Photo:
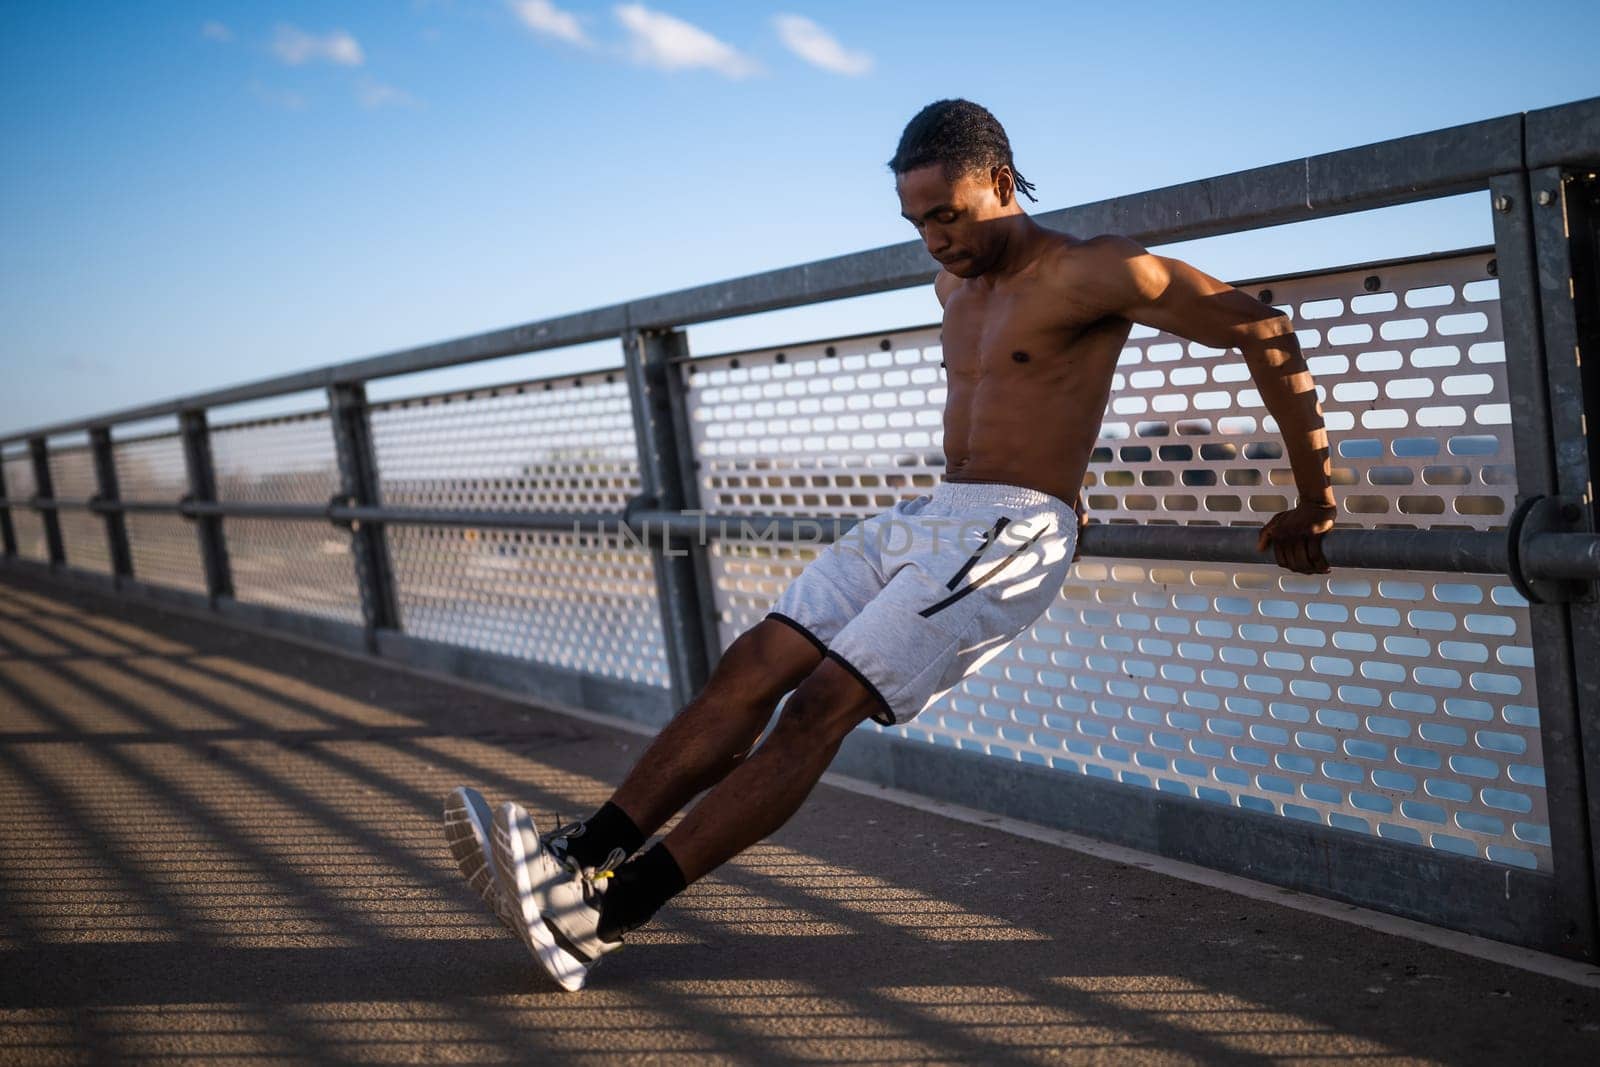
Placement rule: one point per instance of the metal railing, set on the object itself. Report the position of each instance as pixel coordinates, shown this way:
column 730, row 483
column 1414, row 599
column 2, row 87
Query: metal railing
column 343, row 523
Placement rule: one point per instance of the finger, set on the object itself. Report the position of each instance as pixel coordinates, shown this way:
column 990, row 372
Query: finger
column 1265, row 537
column 1317, row 558
column 1301, row 553
column 1278, row 549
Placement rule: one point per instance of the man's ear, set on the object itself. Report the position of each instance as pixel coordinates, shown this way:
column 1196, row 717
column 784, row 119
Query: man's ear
column 1005, row 186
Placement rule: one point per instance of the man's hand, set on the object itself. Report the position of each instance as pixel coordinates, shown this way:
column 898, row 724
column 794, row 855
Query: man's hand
column 1296, row 537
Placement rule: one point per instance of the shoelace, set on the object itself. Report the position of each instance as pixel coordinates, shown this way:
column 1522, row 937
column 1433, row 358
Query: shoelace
column 589, row 878
column 559, row 839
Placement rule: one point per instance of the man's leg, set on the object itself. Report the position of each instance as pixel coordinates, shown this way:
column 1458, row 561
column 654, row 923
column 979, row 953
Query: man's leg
column 766, row 789
column 716, row 730
column 707, row 739
column 750, row 803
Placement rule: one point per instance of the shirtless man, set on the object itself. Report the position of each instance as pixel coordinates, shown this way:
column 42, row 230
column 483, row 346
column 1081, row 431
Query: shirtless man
column 1034, row 321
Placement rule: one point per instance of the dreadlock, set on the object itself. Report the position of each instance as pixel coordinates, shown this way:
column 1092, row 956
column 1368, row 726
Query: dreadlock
column 960, row 136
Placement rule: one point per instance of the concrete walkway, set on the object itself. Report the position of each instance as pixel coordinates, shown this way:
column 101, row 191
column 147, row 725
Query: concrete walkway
column 220, row 846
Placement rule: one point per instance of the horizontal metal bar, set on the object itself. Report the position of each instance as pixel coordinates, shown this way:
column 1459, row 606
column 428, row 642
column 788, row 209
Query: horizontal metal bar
column 1465, row 551
column 1399, row 171
column 1552, row 555
column 1562, row 555
column 148, row 506
column 249, row 510
column 481, row 520
column 1568, row 134
column 759, row 527
column 1389, row 173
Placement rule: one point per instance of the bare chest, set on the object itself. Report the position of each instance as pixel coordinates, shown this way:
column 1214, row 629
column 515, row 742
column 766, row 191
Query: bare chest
column 1007, row 334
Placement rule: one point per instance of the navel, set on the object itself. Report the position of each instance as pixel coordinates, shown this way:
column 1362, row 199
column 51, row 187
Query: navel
column 1020, row 357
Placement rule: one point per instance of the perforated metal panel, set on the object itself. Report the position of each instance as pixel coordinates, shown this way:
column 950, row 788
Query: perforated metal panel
column 165, row 548
column 557, row 445
column 1400, row 705
column 283, row 460
column 301, row 566
column 1412, row 382
column 584, row 601
column 298, row 566
column 842, row 428
column 83, row 533
column 26, row 523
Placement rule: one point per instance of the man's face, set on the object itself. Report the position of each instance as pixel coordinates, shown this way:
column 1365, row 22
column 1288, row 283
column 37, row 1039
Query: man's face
column 951, row 216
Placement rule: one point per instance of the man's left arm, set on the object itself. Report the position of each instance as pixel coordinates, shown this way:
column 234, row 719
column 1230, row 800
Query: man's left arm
column 1170, row 295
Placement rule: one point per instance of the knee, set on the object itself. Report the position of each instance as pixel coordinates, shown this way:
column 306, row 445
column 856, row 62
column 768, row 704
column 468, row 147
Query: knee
column 820, row 713
column 746, row 676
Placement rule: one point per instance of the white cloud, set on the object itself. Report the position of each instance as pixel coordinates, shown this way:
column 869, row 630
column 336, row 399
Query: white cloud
column 296, row 47
column 216, row 31
column 818, row 47
column 660, row 40
column 375, row 94
column 541, row 16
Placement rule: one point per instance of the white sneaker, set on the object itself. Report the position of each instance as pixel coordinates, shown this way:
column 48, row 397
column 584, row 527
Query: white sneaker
column 570, row 904
column 523, row 865
column 466, row 830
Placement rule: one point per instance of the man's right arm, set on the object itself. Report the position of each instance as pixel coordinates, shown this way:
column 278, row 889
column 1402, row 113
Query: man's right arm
column 1119, row 277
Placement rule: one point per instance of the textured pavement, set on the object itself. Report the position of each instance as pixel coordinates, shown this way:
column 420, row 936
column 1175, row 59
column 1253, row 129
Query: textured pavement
column 221, row 847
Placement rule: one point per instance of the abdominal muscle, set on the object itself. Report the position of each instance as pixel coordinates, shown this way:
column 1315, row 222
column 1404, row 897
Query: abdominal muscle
column 1035, row 424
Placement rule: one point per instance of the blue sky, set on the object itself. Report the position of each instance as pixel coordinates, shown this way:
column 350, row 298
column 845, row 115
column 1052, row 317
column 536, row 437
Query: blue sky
column 197, row 194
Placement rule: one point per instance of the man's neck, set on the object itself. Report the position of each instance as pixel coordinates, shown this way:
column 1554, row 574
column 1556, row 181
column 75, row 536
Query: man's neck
column 1020, row 248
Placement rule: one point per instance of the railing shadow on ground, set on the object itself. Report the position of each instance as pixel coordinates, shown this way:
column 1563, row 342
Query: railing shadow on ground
column 222, row 845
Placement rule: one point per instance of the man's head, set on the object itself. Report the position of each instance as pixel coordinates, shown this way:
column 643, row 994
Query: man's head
column 954, row 173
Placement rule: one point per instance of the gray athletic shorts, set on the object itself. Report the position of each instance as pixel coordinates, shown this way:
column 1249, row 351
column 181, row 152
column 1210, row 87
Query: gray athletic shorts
column 916, row 598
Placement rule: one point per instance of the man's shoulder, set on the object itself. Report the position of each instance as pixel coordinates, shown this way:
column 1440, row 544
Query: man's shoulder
column 1095, row 269
column 1094, row 255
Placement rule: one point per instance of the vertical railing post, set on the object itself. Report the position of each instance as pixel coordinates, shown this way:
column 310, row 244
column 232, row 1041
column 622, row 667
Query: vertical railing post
column 203, row 490
column 8, row 534
column 358, row 478
column 44, row 488
column 1550, row 623
column 1566, row 232
column 682, row 565
column 105, row 473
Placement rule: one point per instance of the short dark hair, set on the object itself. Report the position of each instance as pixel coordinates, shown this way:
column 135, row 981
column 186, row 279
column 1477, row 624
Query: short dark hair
column 960, row 136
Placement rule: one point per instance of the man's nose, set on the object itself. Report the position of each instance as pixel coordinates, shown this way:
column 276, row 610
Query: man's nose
column 935, row 239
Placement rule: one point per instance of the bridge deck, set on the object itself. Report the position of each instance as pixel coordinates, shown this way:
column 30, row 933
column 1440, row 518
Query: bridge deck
column 223, row 846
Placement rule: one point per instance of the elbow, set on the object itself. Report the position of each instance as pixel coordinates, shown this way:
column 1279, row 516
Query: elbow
column 1271, row 340
column 1272, row 326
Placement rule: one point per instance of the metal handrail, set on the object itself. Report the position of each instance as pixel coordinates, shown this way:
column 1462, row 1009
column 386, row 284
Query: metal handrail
column 1545, row 555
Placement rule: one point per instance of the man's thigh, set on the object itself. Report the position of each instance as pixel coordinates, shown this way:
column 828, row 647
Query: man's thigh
column 840, row 582
column 947, row 612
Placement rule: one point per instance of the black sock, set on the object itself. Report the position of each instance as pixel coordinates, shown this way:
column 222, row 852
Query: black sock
column 637, row 891
column 605, row 830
